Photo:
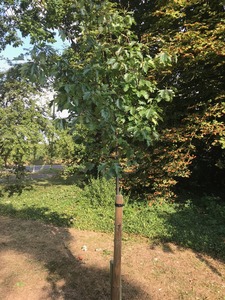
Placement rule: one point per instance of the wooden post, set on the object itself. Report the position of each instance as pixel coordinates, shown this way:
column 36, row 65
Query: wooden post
column 111, row 276
column 116, row 276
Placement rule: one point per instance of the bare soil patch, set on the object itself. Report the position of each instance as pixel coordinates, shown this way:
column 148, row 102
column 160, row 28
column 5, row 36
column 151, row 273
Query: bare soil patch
column 40, row 262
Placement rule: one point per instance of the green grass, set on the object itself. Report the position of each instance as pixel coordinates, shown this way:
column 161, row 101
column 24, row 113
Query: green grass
column 201, row 228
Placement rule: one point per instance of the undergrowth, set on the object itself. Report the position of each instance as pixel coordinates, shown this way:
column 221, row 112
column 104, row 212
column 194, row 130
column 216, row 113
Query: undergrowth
column 199, row 227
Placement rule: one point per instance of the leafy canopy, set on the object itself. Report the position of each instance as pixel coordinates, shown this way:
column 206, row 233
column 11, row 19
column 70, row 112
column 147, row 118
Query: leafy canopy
column 104, row 78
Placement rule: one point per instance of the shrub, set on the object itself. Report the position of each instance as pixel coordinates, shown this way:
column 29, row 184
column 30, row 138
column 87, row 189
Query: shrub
column 100, row 192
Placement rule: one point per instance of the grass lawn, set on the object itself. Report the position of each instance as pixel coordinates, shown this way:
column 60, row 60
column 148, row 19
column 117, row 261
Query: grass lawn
column 201, row 228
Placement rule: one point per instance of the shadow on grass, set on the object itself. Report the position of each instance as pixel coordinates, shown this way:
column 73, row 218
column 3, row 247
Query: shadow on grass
column 67, row 276
column 14, row 186
column 201, row 230
column 37, row 213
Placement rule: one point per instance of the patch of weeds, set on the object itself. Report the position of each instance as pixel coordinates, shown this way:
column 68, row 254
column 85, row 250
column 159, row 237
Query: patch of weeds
column 20, row 284
column 106, row 252
column 140, row 218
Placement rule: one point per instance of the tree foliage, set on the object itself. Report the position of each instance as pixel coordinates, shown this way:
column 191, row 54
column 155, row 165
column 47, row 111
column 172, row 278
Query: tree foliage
column 22, row 121
column 109, row 86
column 192, row 135
column 115, row 73
column 106, row 78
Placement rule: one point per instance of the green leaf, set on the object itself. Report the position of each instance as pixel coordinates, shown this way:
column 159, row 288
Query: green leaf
column 145, row 66
column 164, row 58
column 118, row 103
column 67, row 88
column 117, row 169
column 105, row 114
column 86, row 95
column 128, row 77
column 86, row 70
column 126, row 87
column 115, row 66
column 149, row 113
column 166, row 94
column 111, row 61
column 144, row 94
column 102, row 167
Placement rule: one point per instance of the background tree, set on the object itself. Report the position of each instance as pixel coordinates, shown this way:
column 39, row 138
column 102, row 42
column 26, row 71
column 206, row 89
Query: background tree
column 192, row 134
column 23, row 121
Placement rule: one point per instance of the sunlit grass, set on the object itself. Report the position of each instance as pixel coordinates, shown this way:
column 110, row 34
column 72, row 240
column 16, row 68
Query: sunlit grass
column 92, row 208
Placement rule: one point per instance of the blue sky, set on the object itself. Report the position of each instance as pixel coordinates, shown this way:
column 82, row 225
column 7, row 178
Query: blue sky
column 12, row 52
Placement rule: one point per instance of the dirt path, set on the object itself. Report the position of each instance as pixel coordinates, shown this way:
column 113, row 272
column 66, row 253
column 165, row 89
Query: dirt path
column 41, row 262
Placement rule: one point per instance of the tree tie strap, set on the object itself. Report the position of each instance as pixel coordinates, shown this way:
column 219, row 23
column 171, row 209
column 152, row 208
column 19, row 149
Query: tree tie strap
column 119, row 205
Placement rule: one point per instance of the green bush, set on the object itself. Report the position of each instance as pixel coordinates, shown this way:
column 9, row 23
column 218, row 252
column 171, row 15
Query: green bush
column 100, row 192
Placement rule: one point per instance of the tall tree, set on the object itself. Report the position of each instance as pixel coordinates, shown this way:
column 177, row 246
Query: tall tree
column 192, row 134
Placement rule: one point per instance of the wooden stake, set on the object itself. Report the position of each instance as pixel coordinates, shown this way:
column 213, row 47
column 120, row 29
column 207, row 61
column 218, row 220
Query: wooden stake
column 116, row 278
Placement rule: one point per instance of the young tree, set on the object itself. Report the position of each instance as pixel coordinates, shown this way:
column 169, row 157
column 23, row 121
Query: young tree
column 103, row 78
